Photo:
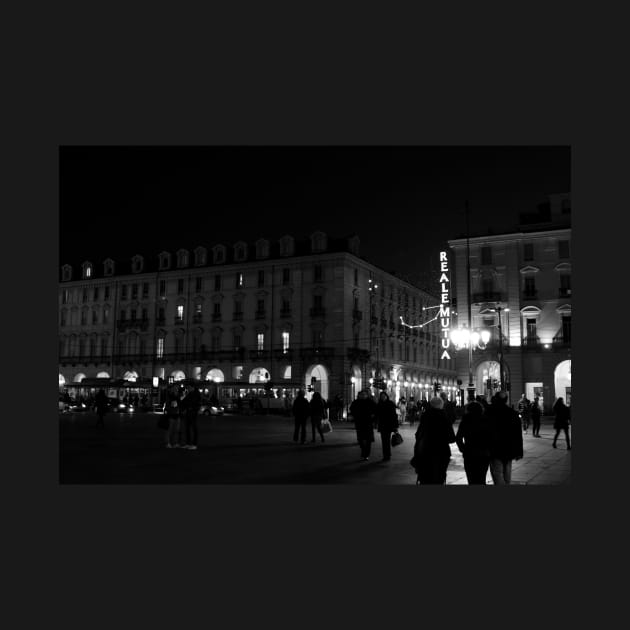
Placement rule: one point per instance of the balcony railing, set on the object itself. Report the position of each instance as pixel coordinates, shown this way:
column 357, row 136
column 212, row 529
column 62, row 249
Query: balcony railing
column 487, row 296
column 531, row 343
column 318, row 311
column 178, row 321
column 259, row 355
column 562, row 340
column 127, row 324
column 530, row 295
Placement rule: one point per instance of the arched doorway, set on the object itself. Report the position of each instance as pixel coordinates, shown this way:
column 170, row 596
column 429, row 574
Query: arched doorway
column 259, row 375
column 131, row 376
column 102, row 375
column 62, row 380
column 215, row 375
column 177, row 375
column 488, row 378
column 320, row 384
column 79, row 377
column 562, row 381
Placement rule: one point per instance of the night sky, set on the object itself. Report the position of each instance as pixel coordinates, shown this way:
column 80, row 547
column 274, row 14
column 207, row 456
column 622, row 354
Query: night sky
column 404, row 202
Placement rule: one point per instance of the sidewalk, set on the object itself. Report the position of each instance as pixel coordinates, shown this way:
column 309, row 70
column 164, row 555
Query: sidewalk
column 260, row 450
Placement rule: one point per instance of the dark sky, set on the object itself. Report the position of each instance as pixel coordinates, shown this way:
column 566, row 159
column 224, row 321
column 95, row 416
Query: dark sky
column 404, row 202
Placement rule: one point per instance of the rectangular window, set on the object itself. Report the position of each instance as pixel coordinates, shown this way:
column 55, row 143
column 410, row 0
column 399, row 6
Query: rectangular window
column 134, row 291
column 356, row 277
column 145, row 289
column 261, row 278
column 95, row 294
column 317, row 301
column 286, row 306
column 285, row 342
column 217, row 308
column 260, row 340
column 145, row 315
column 531, row 328
column 217, row 283
column 105, row 316
column 107, row 293
column 64, row 296
column 261, row 306
column 180, row 312
column 85, row 295
column 162, row 288
column 94, row 317
column 486, row 255
column 237, row 341
column 528, row 251
column 161, row 315
column 199, row 285
column 215, row 343
column 566, row 328
column 286, row 275
column 198, row 310
column 123, row 292
column 160, row 348
column 63, row 318
column 103, row 346
column 239, row 280
column 317, row 273
column 563, row 249
column 123, row 315
column 487, row 286
column 180, row 287
column 133, row 314
column 238, row 306
column 530, row 286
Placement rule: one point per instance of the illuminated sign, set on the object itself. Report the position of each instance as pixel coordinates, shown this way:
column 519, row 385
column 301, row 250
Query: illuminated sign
column 445, row 309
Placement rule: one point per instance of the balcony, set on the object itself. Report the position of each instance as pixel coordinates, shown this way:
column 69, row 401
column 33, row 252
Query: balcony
column 531, row 343
column 564, row 293
column 128, row 324
column 357, row 315
column 562, row 341
column 178, row 321
column 317, row 311
column 285, row 312
column 487, row 296
column 261, row 314
column 528, row 296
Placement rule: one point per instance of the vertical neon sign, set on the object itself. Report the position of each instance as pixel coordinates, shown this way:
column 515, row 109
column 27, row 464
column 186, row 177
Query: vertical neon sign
column 445, row 309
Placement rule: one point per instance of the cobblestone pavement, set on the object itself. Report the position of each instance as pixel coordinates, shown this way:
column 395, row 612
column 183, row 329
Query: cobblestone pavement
column 260, row 450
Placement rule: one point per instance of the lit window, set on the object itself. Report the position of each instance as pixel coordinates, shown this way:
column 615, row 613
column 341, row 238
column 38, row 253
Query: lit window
column 180, row 311
column 160, row 348
column 285, row 342
column 261, row 341
column 239, row 280
column 88, row 272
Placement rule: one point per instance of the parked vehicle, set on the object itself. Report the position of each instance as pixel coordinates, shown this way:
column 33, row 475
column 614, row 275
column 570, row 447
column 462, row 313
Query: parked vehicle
column 211, row 410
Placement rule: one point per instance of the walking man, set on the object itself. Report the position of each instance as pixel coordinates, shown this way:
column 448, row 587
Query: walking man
column 506, row 440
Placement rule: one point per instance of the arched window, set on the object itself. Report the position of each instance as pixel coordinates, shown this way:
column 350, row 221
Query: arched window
column 137, row 263
column 164, row 260
column 87, row 270
column 108, row 267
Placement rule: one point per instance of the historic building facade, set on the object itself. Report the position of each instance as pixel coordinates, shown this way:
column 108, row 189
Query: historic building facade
column 310, row 313
column 520, row 285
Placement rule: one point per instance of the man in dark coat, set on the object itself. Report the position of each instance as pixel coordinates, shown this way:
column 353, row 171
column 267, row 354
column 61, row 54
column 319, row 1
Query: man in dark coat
column 387, row 422
column 432, row 451
column 190, row 407
column 561, row 423
column 102, row 403
column 506, row 439
column 473, row 440
column 301, row 413
column 363, row 411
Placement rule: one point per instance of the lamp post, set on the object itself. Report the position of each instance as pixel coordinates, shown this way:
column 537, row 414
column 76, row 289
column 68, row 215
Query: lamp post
column 471, row 385
column 372, row 287
column 498, row 308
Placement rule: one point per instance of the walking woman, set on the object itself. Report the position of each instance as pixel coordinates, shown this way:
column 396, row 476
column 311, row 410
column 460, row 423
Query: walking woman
column 473, row 440
column 536, row 413
column 563, row 415
column 387, row 422
column 363, row 411
column 318, row 412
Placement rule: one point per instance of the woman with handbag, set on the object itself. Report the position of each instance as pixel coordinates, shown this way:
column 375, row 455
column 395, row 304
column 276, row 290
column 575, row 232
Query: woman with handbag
column 387, row 422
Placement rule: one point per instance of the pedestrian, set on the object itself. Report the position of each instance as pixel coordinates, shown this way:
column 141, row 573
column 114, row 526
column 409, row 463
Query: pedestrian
column 190, row 410
column 402, row 408
column 561, row 423
column 524, row 411
column 363, row 410
column 318, row 413
column 449, row 408
column 387, row 423
column 412, row 411
column 172, row 412
column 101, row 403
column 473, row 440
column 506, row 439
column 535, row 413
column 431, row 450
column 301, row 412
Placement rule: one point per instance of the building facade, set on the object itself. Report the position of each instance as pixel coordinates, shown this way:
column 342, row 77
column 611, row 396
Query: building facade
column 311, row 313
column 520, row 286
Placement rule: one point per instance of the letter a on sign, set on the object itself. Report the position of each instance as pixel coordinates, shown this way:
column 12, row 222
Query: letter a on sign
column 445, row 355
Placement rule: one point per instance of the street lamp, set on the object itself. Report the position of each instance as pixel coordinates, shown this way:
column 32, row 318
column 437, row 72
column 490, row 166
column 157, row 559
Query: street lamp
column 498, row 308
column 472, row 340
column 372, row 287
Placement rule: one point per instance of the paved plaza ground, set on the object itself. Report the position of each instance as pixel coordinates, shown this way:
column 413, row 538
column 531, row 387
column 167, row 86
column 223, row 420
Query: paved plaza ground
column 260, row 450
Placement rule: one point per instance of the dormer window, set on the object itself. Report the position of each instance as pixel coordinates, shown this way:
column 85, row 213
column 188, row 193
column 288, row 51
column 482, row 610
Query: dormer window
column 165, row 260
column 200, row 256
column 240, row 251
column 182, row 258
column 87, row 270
column 318, row 242
column 137, row 264
column 286, row 246
column 66, row 273
column 218, row 254
column 262, row 248
column 108, row 267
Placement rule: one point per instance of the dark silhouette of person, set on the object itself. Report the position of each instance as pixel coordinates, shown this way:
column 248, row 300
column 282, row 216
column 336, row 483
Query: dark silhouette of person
column 473, row 440
column 102, row 403
column 190, row 408
column 524, row 407
column 536, row 414
column 301, row 412
column 506, row 441
column 386, row 423
column 318, row 412
column 561, row 423
column 363, row 410
column 431, row 450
